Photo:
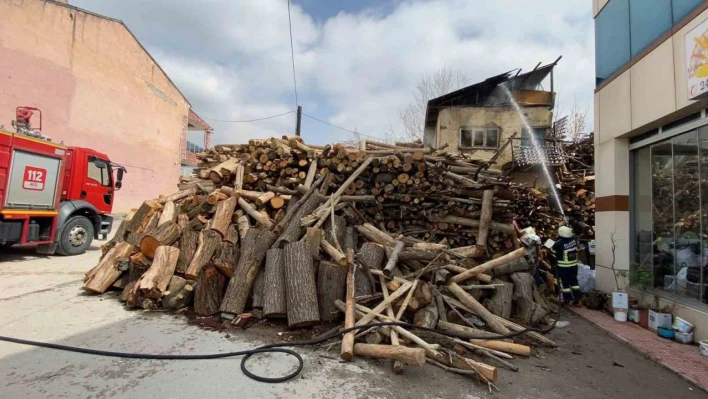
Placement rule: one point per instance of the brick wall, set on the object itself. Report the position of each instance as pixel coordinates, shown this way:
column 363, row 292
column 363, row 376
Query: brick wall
column 97, row 88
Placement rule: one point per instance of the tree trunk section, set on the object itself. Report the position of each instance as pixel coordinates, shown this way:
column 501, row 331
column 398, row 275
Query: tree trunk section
column 101, row 277
column 516, row 266
column 224, row 259
column 372, row 255
column 222, row 217
column 486, row 218
column 350, row 239
column 393, row 259
column 523, row 296
column 334, row 232
column 252, row 212
column 274, row 299
column 187, row 247
column 243, row 225
column 347, row 351
column 209, row 241
column 488, row 266
column 162, row 235
column 465, row 330
column 331, row 285
column 169, row 214
column 500, row 303
column 141, row 218
column 209, row 291
column 134, row 238
column 503, row 346
column 119, row 235
column 231, row 237
column 410, row 356
column 139, row 264
column 300, row 286
column 258, row 289
column 333, row 253
column 479, row 310
column 292, row 230
column 154, row 282
column 427, row 316
column 313, row 236
column 253, row 251
column 179, row 293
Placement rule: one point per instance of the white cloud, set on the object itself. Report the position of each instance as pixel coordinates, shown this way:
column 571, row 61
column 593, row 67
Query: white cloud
column 232, row 58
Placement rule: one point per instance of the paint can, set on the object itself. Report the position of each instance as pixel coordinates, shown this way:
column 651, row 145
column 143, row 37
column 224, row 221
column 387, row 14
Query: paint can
column 704, row 347
column 684, row 337
column 682, row 325
column 620, row 315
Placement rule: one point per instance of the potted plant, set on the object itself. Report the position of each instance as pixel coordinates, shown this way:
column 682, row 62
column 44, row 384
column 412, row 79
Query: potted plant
column 620, row 299
column 640, row 279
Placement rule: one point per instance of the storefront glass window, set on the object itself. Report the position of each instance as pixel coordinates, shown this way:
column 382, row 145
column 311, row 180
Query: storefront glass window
column 703, row 144
column 670, row 216
column 643, row 260
column 687, row 215
column 648, row 19
column 662, row 216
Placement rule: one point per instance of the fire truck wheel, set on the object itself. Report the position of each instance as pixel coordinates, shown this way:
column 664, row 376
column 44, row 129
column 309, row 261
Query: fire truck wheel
column 76, row 236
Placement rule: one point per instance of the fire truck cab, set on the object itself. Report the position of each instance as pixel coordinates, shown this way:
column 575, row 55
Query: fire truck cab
column 54, row 197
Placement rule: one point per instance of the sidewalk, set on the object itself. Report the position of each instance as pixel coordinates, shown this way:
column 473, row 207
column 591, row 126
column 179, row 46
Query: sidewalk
column 684, row 360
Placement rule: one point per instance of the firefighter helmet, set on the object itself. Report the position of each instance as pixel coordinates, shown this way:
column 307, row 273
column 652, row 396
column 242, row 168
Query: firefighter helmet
column 565, row 231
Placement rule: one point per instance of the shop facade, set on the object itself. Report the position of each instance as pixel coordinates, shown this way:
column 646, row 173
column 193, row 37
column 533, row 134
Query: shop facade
column 651, row 149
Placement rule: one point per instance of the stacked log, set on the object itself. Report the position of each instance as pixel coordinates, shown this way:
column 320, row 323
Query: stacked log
column 284, row 230
column 575, row 182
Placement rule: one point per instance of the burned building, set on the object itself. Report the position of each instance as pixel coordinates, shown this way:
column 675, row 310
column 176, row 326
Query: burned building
column 482, row 120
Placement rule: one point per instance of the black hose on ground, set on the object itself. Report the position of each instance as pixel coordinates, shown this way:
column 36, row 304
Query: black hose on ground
column 271, row 348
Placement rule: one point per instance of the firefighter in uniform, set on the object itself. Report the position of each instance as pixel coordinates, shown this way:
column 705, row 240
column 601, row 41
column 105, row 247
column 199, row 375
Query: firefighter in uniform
column 565, row 251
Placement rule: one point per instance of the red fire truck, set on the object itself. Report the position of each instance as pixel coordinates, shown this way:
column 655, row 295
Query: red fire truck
column 54, row 197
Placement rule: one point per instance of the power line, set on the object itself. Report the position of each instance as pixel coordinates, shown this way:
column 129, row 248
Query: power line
column 248, row 120
column 292, row 53
column 341, row 128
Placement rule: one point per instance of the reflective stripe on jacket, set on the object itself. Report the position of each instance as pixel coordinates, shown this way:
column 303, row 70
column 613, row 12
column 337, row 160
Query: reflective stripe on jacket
column 566, row 252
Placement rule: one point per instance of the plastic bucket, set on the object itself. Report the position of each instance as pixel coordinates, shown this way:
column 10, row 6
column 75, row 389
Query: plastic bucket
column 704, row 347
column 683, row 337
column 681, row 325
column 665, row 332
column 620, row 315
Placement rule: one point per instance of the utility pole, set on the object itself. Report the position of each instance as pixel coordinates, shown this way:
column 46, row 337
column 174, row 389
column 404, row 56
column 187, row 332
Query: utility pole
column 299, row 119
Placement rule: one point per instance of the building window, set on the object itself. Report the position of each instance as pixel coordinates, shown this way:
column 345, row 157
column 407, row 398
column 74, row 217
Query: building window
column 479, row 138
column 611, row 39
column 538, row 132
column 193, row 148
column 624, row 28
column 670, row 216
column 681, row 8
column 648, row 20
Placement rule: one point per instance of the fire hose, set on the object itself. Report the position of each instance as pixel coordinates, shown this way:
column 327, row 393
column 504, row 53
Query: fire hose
column 271, row 348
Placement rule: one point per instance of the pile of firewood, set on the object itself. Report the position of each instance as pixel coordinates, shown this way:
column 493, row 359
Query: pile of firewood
column 575, row 184
column 281, row 229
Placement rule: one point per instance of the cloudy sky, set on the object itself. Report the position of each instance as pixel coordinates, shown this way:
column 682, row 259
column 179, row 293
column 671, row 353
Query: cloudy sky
column 357, row 62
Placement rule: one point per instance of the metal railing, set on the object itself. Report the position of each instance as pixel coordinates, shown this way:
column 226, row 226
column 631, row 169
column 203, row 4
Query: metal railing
column 194, row 148
column 524, row 153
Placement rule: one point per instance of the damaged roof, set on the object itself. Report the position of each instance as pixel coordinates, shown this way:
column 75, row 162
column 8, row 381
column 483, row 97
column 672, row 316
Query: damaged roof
column 487, row 92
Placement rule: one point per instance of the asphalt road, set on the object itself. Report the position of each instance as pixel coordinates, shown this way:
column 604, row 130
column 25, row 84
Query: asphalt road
column 41, row 299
